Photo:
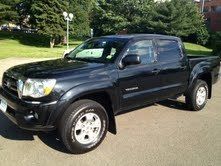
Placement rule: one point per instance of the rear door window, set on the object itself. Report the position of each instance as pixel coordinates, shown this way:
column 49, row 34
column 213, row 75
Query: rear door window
column 168, row 50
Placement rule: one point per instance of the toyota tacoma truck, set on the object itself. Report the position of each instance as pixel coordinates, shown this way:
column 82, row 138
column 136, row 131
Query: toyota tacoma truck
column 80, row 94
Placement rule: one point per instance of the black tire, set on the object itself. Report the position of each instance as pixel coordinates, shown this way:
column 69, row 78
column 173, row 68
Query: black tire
column 73, row 115
column 191, row 96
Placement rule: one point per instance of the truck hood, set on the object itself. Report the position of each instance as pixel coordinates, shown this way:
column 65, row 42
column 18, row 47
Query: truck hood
column 51, row 68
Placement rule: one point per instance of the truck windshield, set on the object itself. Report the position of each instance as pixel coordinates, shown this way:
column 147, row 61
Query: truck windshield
column 101, row 50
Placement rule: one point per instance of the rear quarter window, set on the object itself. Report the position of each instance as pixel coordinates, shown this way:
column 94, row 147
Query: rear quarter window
column 168, row 50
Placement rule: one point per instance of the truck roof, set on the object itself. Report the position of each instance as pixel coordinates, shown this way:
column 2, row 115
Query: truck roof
column 135, row 36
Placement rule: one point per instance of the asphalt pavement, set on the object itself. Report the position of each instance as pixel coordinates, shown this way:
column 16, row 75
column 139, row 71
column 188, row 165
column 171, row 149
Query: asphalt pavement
column 165, row 133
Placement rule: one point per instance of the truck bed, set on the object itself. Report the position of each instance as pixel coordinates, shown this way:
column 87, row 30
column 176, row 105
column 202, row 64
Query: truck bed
column 206, row 63
column 210, row 60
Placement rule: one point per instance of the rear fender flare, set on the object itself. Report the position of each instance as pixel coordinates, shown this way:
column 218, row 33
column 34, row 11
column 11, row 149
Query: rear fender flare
column 198, row 71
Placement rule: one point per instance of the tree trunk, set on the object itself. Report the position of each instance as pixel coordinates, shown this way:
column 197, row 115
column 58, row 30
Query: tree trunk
column 52, row 42
column 64, row 41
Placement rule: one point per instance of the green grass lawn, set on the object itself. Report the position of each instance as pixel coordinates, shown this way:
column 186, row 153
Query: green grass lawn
column 194, row 49
column 13, row 48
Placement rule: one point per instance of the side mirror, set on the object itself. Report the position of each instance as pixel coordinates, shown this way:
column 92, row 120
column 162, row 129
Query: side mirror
column 131, row 59
column 66, row 56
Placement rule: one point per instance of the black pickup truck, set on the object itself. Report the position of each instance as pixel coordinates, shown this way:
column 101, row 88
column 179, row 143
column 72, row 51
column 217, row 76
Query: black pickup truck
column 79, row 95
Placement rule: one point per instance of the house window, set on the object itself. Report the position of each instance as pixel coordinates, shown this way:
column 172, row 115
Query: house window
column 218, row 9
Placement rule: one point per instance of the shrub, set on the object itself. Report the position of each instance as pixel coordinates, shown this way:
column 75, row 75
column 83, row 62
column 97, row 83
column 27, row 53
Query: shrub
column 32, row 39
column 216, row 43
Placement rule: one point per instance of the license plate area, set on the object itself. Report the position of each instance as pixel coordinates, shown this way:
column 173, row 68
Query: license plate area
column 3, row 105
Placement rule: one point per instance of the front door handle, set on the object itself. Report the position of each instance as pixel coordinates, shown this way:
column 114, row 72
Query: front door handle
column 156, row 71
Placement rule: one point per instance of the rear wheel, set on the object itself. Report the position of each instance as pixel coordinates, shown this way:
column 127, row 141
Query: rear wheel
column 83, row 126
column 197, row 98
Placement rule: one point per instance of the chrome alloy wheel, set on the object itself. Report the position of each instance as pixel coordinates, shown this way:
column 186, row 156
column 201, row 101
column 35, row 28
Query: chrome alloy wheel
column 201, row 96
column 87, row 128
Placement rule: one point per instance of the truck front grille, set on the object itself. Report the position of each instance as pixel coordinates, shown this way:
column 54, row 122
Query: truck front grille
column 10, row 84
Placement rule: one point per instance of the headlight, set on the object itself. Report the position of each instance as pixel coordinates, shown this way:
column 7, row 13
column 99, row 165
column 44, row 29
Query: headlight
column 36, row 88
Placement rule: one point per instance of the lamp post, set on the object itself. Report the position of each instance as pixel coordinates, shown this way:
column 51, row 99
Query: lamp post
column 203, row 4
column 92, row 33
column 68, row 17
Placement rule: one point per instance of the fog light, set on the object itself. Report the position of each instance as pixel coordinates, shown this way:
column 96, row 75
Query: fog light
column 29, row 117
column 36, row 115
column 32, row 116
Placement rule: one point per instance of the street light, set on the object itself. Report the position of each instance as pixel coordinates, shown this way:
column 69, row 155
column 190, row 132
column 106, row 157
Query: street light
column 68, row 17
column 203, row 4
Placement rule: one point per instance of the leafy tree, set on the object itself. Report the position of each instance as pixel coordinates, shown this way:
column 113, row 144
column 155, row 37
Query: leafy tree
column 16, row 11
column 176, row 17
column 109, row 17
column 80, row 26
column 180, row 18
column 216, row 43
column 23, row 10
column 8, row 11
column 47, row 17
column 105, row 20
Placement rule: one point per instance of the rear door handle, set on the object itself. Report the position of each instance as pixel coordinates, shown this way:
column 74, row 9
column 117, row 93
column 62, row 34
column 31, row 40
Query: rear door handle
column 156, row 71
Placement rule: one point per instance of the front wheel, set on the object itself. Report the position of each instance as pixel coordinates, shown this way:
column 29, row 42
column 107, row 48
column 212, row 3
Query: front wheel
column 83, row 126
column 197, row 98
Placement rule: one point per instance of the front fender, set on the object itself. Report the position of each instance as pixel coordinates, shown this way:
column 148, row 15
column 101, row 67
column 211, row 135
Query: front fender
column 81, row 90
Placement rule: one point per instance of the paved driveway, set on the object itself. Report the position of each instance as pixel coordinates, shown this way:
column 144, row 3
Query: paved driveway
column 161, row 134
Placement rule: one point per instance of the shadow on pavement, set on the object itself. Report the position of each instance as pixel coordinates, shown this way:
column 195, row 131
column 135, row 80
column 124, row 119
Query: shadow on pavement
column 133, row 109
column 175, row 104
column 53, row 141
column 171, row 103
column 10, row 131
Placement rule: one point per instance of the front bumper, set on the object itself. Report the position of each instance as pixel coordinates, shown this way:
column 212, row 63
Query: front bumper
column 28, row 115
